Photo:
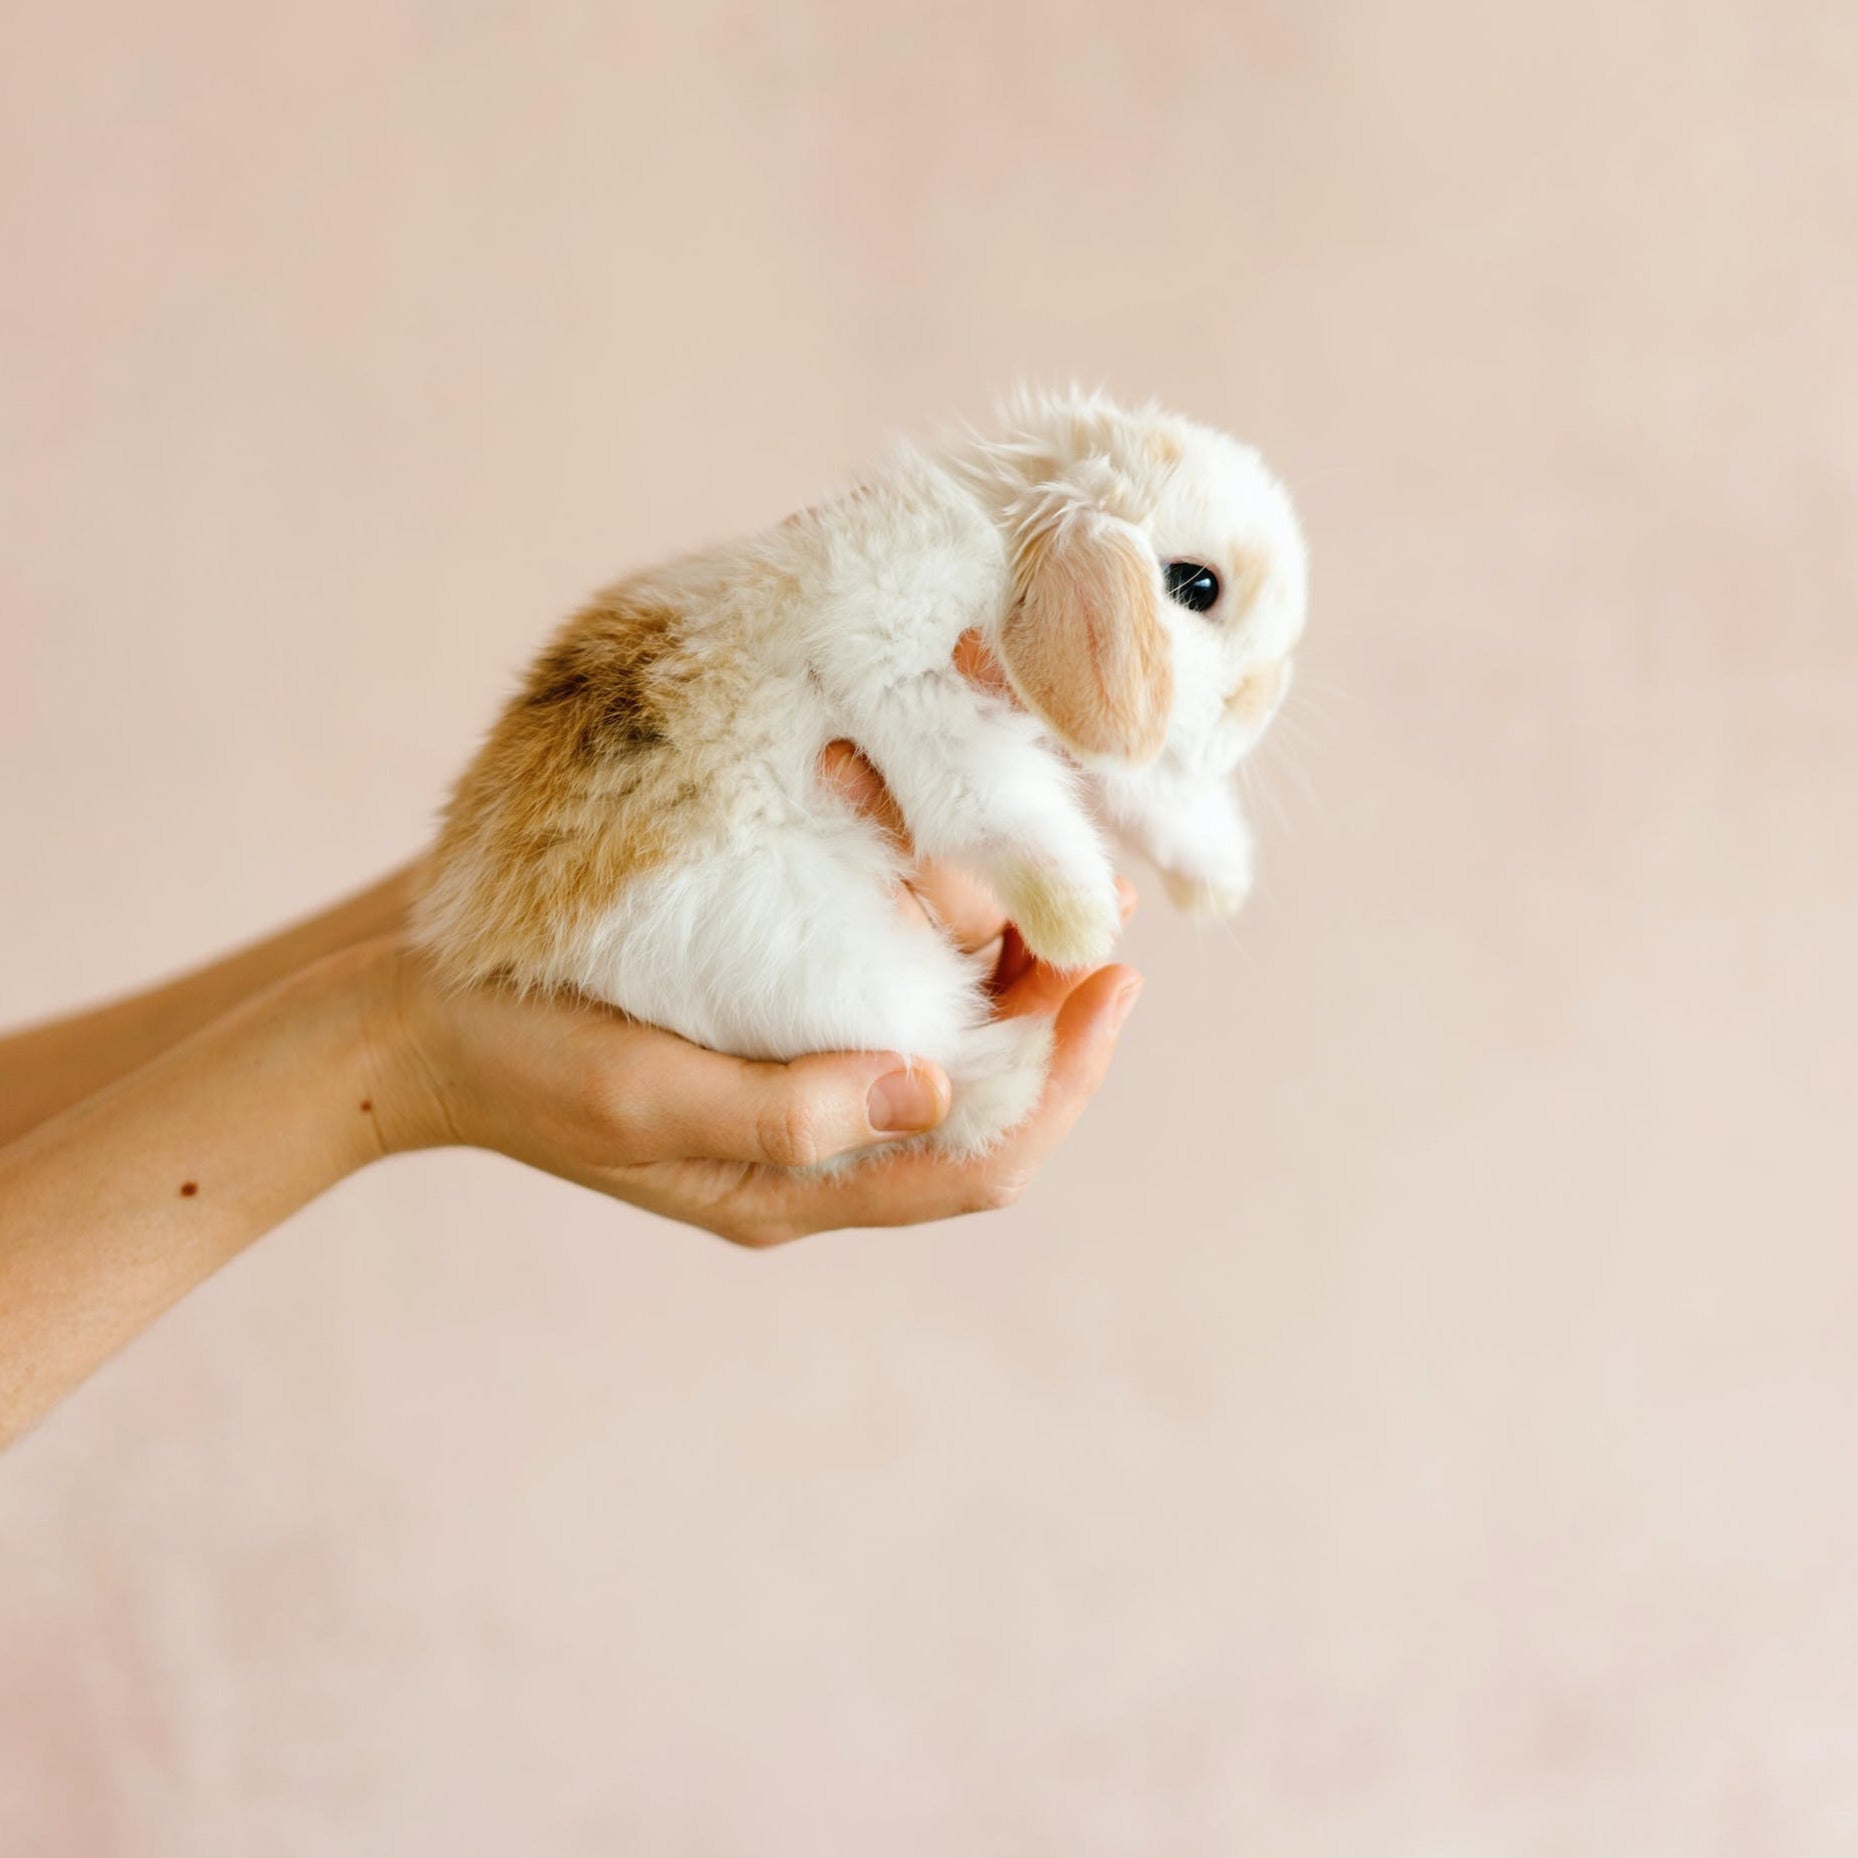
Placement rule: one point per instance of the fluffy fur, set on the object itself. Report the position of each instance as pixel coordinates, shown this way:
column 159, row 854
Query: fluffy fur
column 645, row 822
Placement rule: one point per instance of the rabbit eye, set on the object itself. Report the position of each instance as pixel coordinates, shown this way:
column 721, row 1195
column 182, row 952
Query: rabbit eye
column 1191, row 585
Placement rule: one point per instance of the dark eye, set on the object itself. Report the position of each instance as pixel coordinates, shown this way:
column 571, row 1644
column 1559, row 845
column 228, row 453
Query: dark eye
column 1193, row 586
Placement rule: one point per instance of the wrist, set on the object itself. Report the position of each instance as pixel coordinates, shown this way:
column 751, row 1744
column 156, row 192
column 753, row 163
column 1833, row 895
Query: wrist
column 394, row 1002
column 326, row 1020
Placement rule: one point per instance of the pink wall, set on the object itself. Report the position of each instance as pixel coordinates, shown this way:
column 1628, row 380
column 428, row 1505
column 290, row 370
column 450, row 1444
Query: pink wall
column 1416, row 1415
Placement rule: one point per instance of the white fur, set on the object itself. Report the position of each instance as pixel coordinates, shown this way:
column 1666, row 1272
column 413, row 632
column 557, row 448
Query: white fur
column 775, row 932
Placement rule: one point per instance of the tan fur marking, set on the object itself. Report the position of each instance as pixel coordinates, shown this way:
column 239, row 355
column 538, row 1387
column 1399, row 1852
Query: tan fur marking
column 576, row 790
column 598, row 676
column 1258, row 691
column 1245, row 579
column 1084, row 643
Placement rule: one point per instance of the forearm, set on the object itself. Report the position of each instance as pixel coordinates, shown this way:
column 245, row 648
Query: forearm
column 113, row 1210
column 48, row 1068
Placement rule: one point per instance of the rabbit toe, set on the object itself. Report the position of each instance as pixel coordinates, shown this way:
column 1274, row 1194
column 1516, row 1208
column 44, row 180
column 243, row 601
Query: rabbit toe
column 1067, row 924
column 1206, row 897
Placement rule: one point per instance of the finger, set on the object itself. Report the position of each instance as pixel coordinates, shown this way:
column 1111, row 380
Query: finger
column 954, row 900
column 845, row 772
column 1015, row 962
column 959, row 903
column 1084, row 1040
column 699, row 1104
column 1039, row 988
column 916, row 1185
column 981, row 668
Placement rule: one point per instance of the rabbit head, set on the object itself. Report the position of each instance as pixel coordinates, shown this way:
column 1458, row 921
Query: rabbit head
column 1160, row 584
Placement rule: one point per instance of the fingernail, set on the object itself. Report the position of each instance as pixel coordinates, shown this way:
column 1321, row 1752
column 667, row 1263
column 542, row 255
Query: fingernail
column 1125, row 1002
column 903, row 1103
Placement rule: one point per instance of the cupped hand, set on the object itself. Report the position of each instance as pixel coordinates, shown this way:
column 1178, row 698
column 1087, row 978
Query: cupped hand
column 727, row 1144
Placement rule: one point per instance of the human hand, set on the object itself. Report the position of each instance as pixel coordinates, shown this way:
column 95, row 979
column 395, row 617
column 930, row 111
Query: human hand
column 579, row 1090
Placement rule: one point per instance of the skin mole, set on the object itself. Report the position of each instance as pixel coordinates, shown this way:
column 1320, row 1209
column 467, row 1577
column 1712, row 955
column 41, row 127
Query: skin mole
column 367, row 1106
column 189, row 1189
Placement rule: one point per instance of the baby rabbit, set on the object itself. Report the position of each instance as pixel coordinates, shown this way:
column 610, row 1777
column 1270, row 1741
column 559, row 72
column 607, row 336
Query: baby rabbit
column 645, row 822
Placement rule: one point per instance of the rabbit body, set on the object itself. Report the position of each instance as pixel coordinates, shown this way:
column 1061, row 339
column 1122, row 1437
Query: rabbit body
column 646, row 823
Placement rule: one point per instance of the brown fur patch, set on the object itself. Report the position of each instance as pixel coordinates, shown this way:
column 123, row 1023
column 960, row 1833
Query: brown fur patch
column 1084, row 644
column 576, row 790
column 600, row 674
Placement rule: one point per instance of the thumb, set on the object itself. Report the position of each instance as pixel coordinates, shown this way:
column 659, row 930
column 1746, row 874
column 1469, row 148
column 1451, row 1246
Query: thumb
column 797, row 1114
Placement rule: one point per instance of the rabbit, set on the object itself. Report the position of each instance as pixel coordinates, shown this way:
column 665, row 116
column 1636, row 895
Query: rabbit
column 645, row 823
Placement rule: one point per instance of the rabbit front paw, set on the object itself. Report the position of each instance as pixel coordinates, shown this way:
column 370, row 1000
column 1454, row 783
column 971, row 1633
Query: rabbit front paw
column 1207, row 897
column 1063, row 921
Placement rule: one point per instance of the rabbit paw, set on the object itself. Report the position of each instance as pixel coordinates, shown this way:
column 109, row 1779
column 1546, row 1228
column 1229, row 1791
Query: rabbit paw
column 1066, row 923
column 999, row 1076
column 1207, row 897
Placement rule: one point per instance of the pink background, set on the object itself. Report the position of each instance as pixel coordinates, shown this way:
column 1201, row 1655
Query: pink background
column 1416, row 1415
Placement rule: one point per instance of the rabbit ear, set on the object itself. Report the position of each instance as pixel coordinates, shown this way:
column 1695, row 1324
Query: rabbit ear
column 1083, row 644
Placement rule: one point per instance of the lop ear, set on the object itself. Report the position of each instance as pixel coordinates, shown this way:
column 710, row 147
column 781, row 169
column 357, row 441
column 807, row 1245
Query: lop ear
column 1084, row 645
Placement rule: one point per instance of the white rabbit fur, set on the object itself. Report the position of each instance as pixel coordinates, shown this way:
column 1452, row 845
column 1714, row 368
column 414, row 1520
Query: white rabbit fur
column 646, row 823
